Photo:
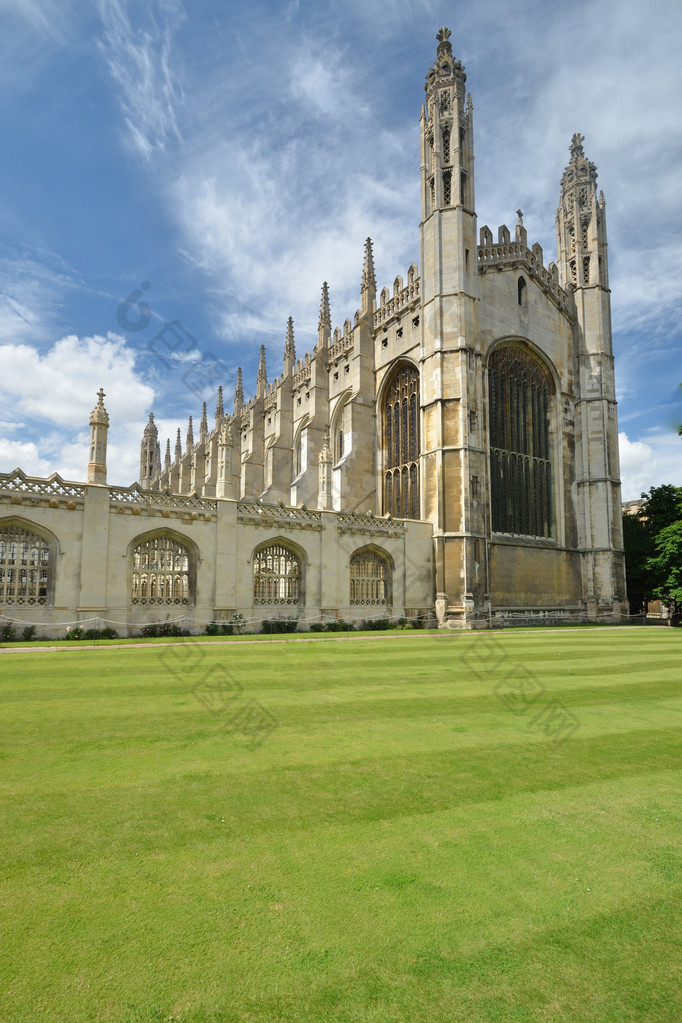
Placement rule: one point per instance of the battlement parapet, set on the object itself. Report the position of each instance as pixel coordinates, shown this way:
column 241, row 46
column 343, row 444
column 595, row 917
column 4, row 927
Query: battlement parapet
column 512, row 255
column 390, row 306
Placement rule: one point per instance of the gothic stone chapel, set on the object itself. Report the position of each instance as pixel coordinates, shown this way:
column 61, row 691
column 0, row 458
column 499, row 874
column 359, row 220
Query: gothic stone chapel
column 452, row 451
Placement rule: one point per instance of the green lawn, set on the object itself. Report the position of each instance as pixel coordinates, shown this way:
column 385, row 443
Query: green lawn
column 456, row 828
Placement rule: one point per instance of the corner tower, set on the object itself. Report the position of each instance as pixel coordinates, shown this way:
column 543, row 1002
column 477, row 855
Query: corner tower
column 99, row 426
column 583, row 270
column 450, row 363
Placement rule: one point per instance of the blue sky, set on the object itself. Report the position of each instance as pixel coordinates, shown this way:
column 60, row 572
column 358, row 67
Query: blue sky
column 232, row 157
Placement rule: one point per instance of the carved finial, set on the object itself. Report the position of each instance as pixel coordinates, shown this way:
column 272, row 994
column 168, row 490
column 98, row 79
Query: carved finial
column 99, row 415
column 219, row 410
column 519, row 214
column 261, row 375
column 203, row 428
column 325, row 320
column 576, row 146
column 167, row 459
column 289, row 346
column 444, row 44
column 178, row 446
column 368, row 278
column 190, row 435
column 238, row 392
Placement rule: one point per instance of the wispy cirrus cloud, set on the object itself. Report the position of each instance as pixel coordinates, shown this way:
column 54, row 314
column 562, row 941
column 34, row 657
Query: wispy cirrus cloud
column 142, row 62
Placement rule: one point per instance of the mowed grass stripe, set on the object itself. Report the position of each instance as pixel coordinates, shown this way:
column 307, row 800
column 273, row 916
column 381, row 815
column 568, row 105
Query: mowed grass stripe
column 357, row 866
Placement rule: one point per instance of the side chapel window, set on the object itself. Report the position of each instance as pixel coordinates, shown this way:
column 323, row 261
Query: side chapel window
column 520, row 402
column 370, row 578
column 400, row 417
column 26, row 566
column 276, row 575
column 161, row 572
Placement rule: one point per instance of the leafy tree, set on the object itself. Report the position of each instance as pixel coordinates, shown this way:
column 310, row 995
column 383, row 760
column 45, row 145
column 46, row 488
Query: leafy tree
column 645, row 571
column 667, row 566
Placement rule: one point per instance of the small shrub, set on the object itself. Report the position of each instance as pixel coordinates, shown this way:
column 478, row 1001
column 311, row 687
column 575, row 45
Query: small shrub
column 278, row 625
column 162, row 629
column 28, row 634
column 317, row 627
column 378, row 624
column 106, row 633
column 8, row 633
column 211, row 629
column 227, row 628
column 76, row 633
column 339, row 625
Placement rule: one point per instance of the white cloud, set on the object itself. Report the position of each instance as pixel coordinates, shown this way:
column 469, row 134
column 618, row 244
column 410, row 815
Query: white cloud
column 57, row 391
column 141, row 61
column 649, row 462
column 16, row 454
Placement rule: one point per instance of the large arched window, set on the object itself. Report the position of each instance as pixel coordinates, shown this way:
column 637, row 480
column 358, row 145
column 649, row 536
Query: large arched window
column 370, row 578
column 161, row 572
column 26, row 566
column 400, row 417
column 276, row 575
column 520, row 403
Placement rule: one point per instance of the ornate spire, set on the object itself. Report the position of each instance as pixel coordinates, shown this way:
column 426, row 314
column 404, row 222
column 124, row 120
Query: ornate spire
column 445, row 68
column 581, row 223
column 219, row 410
column 167, row 459
column 99, row 425
column 238, row 392
column 99, row 415
column 325, row 321
column 190, row 435
column 203, row 428
column 261, row 375
column 178, row 446
column 289, row 346
column 368, row 278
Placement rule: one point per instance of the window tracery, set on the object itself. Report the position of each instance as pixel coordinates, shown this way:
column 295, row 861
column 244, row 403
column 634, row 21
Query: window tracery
column 161, row 572
column 520, row 401
column 370, row 578
column 26, row 566
column 276, row 575
column 401, row 444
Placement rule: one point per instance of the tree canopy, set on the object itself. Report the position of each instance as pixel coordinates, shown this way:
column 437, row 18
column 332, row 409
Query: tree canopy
column 653, row 549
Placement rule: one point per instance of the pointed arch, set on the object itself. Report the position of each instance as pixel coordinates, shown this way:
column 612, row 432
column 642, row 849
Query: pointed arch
column 28, row 555
column 279, row 573
column 521, row 396
column 399, row 403
column 371, row 576
column 162, row 568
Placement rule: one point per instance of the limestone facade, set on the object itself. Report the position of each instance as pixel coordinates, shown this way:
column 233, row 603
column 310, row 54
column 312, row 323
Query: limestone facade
column 461, row 425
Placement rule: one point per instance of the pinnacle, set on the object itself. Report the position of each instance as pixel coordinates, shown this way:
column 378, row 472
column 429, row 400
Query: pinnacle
column 262, row 372
column 325, row 320
column 238, row 391
column 368, row 277
column 289, row 346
